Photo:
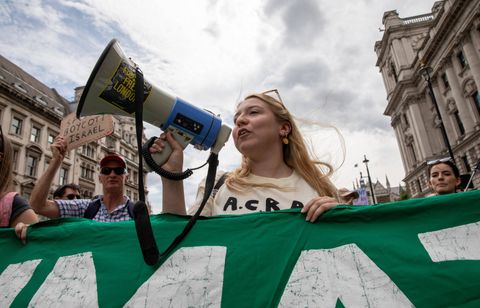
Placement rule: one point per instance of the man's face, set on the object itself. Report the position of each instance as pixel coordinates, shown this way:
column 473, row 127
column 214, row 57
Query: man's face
column 109, row 178
column 70, row 194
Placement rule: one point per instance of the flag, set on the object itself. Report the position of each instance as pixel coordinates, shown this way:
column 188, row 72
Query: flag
column 419, row 252
column 362, row 196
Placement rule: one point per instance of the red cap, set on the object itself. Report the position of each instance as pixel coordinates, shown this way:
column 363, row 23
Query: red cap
column 113, row 157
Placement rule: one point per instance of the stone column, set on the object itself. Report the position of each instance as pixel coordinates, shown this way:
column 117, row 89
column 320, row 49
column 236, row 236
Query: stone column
column 410, row 54
column 401, row 146
column 473, row 60
column 475, row 36
column 386, row 78
column 417, row 124
column 399, row 52
column 457, row 94
column 446, row 118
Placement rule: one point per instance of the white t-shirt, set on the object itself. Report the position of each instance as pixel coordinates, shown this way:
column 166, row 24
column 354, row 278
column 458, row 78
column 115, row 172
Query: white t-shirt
column 294, row 192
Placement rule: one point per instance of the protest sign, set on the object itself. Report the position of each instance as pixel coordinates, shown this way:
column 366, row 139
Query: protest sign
column 78, row 132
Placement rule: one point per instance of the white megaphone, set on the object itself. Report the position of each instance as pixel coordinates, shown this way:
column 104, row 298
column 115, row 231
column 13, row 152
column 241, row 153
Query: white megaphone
column 111, row 90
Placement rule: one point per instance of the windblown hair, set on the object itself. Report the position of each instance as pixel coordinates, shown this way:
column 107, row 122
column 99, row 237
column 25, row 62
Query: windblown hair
column 295, row 155
column 6, row 163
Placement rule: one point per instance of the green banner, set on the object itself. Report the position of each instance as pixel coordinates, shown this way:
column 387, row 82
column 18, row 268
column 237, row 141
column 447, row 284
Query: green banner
column 422, row 253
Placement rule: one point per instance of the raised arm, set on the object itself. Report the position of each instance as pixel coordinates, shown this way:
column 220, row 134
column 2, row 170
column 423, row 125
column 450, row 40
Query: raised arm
column 39, row 197
column 173, row 192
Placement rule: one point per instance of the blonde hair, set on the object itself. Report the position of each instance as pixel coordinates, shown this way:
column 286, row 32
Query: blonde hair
column 6, row 163
column 295, row 155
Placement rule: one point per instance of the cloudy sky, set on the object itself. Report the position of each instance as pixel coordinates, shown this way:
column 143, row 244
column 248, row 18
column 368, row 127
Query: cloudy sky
column 318, row 53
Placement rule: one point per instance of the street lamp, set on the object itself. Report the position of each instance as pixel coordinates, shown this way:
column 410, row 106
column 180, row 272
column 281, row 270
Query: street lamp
column 365, row 161
column 425, row 71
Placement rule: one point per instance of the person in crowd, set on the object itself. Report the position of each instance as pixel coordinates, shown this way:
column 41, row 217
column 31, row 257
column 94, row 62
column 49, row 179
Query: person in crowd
column 15, row 212
column 112, row 206
column 276, row 171
column 67, row 192
column 444, row 176
column 348, row 196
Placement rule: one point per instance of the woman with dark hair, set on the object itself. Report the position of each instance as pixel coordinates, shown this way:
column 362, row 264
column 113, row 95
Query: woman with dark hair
column 276, row 172
column 444, row 176
column 15, row 212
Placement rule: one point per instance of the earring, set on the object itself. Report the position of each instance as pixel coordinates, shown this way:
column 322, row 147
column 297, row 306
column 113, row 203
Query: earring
column 285, row 140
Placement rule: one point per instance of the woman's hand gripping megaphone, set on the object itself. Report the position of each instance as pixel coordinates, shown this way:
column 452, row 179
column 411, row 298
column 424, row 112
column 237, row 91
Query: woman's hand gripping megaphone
column 162, row 154
column 167, row 151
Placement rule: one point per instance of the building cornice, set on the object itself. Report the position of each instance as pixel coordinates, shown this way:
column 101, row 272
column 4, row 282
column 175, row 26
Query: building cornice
column 30, row 103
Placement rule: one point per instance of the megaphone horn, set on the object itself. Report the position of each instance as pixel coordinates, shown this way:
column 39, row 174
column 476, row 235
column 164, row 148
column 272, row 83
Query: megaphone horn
column 110, row 89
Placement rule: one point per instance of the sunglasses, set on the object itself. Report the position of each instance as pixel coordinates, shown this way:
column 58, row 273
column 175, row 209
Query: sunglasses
column 73, row 196
column 274, row 94
column 117, row 170
column 438, row 161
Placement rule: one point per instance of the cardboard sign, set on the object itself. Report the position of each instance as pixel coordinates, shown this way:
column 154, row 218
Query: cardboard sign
column 79, row 132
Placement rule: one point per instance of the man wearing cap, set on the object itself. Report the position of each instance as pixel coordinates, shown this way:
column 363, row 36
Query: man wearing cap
column 113, row 205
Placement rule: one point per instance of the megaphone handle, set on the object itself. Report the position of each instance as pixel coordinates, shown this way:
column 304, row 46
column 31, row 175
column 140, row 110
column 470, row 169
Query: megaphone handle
column 152, row 161
column 161, row 157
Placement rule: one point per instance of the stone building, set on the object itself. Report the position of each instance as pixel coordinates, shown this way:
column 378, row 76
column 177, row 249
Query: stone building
column 31, row 113
column 447, row 40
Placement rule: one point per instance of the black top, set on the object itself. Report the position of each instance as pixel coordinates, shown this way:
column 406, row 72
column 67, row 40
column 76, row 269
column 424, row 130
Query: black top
column 19, row 206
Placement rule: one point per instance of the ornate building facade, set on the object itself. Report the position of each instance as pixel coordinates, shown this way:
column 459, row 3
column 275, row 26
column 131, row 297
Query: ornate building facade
column 31, row 113
column 447, row 40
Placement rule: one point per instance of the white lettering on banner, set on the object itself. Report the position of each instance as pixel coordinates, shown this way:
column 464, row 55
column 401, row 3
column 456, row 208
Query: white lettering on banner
column 457, row 243
column 321, row 277
column 191, row 277
column 14, row 278
column 71, row 283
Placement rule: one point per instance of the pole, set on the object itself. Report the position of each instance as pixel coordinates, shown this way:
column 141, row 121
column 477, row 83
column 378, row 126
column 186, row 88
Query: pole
column 365, row 161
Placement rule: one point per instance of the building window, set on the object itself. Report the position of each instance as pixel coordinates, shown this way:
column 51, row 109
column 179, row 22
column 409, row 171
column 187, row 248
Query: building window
column 15, row 159
column 476, row 100
column 460, row 126
column 419, row 184
column 35, row 134
column 135, row 177
column 461, row 59
column 63, row 176
column 31, row 165
column 16, row 127
column 51, row 138
column 87, row 172
column 466, row 164
column 110, row 142
column 412, row 152
column 445, row 81
column 86, row 194
column 88, row 150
